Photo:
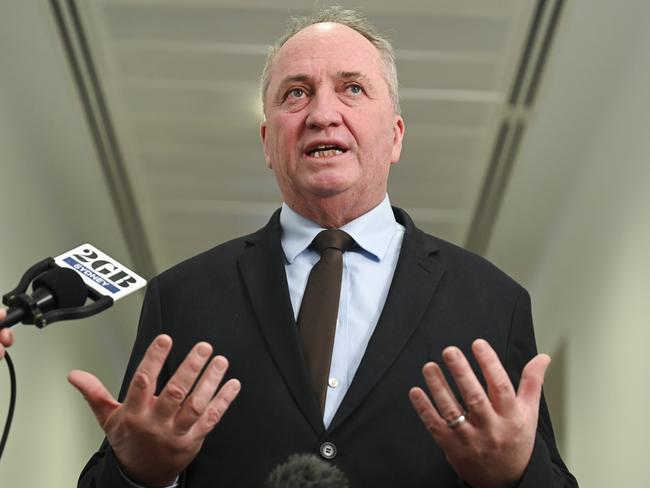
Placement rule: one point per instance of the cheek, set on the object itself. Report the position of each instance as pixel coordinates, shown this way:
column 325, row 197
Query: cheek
column 380, row 143
column 282, row 153
column 287, row 136
column 274, row 146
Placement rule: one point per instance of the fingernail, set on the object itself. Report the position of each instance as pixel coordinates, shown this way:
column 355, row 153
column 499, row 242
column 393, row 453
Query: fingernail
column 220, row 363
column 203, row 350
column 450, row 353
column 480, row 345
column 428, row 370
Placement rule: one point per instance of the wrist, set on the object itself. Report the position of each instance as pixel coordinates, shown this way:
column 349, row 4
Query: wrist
column 147, row 477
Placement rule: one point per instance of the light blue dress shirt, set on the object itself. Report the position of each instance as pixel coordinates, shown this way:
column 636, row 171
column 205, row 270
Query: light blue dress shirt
column 367, row 274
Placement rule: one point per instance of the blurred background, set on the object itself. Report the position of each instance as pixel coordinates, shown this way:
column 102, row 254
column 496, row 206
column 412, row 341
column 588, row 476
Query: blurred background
column 133, row 125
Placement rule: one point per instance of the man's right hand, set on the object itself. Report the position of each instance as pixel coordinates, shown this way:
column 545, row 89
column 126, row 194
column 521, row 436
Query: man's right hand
column 6, row 335
column 155, row 437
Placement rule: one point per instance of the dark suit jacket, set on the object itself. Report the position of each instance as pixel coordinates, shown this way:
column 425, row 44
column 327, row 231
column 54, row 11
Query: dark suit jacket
column 235, row 296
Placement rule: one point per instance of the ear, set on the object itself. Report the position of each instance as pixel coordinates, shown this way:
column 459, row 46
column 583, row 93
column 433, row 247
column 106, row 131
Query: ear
column 263, row 135
column 398, row 136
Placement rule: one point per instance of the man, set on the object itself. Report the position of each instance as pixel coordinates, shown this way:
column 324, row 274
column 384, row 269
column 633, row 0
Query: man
column 331, row 133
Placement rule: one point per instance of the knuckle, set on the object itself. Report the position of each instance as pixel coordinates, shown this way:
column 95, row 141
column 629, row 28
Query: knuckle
column 176, row 391
column 494, row 442
column 214, row 415
column 449, row 413
column 422, row 411
column 503, row 387
column 482, row 452
column 432, row 428
column 475, row 400
column 519, row 424
column 195, row 365
column 133, row 423
column 196, row 406
column 140, row 380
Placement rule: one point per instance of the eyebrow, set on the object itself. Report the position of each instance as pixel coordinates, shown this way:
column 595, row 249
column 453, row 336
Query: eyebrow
column 345, row 75
column 292, row 78
column 350, row 75
column 354, row 75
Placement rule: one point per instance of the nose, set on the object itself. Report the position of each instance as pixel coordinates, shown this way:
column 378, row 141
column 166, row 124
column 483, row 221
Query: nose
column 324, row 111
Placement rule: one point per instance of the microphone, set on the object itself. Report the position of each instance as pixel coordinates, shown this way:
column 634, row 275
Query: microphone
column 56, row 288
column 62, row 285
column 306, row 471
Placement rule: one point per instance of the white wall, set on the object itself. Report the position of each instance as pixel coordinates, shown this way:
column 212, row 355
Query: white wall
column 575, row 228
column 52, row 198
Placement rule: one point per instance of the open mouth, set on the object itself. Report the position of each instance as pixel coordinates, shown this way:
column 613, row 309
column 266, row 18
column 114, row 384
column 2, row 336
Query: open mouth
column 326, row 151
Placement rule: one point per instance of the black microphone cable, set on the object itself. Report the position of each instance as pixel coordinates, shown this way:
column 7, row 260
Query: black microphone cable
column 56, row 288
column 12, row 403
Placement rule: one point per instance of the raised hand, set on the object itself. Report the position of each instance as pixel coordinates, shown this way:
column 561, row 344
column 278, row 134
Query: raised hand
column 490, row 444
column 6, row 335
column 155, row 437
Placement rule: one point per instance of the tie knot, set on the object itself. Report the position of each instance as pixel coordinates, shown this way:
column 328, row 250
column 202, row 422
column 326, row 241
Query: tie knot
column 333, row 238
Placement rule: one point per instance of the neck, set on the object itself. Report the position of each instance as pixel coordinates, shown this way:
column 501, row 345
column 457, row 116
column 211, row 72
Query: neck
column 333, row 212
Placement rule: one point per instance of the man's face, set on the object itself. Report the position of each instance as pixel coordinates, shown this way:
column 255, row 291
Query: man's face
column 330, row 128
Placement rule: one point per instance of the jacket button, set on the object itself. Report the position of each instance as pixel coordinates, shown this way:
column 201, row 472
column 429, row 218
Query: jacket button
column 328, row 450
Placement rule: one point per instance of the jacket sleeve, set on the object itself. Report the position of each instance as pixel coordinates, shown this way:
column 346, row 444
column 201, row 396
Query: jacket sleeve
column 545, row 468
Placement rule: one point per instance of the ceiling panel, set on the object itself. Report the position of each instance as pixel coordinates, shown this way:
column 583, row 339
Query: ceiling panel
column 181, row 83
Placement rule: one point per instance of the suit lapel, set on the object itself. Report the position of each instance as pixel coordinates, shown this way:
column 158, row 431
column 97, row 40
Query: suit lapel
column 261, row 266
column 416, row 276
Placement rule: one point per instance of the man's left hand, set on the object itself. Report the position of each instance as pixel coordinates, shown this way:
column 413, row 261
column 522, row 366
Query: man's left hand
column 493, row 445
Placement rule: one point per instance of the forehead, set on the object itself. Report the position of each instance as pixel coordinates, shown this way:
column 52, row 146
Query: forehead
column 328, row 47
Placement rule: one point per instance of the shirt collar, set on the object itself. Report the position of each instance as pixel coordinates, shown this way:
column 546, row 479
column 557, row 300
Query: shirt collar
column 372, row 231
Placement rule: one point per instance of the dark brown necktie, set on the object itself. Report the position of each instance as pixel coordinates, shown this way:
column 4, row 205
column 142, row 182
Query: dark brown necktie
column 320, row 307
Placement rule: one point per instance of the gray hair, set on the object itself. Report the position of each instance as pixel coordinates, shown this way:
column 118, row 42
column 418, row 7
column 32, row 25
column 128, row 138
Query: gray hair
column 352, row 19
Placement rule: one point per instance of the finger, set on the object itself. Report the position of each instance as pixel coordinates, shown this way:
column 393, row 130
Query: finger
column 443, row 398
column 532, row 378
column 217, row 408
column 476, row 400
column 198, row 401
column 143, row 383
column 6, row 337
column 179, row 385
column 429, row 416
column 500, row 389
column 100, row 400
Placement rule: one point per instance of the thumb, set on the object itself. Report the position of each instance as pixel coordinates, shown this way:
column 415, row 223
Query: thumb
column 100, row 400
column 532, row 379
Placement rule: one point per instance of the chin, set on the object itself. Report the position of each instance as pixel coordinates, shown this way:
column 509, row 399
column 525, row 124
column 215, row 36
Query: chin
column 329, row 184
column 331, row 189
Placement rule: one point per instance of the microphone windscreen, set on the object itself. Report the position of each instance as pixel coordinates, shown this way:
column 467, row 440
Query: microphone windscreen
column 306, row 471
column 66, row 286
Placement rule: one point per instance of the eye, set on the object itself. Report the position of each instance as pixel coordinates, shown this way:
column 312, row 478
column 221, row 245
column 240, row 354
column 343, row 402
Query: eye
column 296, row 93
column 354, row 89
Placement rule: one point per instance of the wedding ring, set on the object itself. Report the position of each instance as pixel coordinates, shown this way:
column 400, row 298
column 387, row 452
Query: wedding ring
column 458, row 421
